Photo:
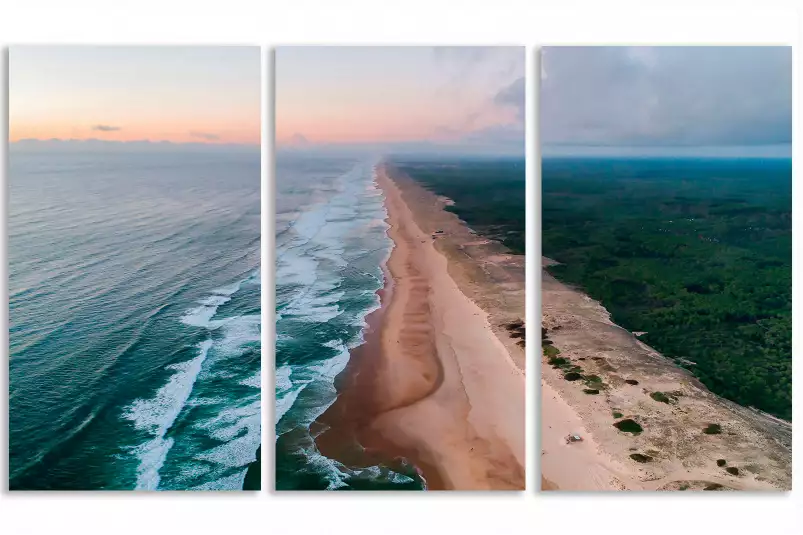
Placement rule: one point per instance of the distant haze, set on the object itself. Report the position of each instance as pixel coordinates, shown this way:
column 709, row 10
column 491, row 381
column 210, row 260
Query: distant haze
column 98, row 145
column 703, row 100
column 401, row 99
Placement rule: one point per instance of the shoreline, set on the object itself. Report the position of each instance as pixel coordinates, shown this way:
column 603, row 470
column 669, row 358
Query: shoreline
column 672, row 452
column 417, row 388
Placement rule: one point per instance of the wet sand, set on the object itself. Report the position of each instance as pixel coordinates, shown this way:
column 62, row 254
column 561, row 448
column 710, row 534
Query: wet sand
column 433, row 383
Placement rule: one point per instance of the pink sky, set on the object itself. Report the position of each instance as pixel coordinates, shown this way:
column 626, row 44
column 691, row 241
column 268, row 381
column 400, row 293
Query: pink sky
column 358, row 95
column 178, row 94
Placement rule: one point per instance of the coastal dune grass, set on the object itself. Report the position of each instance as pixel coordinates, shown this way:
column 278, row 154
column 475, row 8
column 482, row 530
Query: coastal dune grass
column 713, row 429
column 550, row 351
column 629, row 425
column 661, row 397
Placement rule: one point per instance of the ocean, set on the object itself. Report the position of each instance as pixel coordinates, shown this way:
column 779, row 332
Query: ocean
column 331, row 241
column 134, row 320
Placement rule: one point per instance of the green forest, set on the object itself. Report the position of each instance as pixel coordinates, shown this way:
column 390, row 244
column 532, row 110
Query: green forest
column 697, row 253
column 488, row 192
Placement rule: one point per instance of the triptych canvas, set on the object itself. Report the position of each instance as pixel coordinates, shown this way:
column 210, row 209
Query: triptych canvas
column 389, row 334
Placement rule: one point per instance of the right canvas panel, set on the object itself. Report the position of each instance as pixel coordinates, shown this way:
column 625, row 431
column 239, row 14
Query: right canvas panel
column 667, row 257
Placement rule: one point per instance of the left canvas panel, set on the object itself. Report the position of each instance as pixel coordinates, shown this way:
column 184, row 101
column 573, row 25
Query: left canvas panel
column 133, row 265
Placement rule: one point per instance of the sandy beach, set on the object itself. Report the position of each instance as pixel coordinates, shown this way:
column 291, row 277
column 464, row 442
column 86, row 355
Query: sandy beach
column 439, row 380
column 672, row 452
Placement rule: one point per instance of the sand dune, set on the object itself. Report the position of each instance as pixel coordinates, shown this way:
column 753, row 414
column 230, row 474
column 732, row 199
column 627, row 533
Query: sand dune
column 677, row 454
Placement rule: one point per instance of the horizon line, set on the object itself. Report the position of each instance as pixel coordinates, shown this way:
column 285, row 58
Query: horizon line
column 121, row 141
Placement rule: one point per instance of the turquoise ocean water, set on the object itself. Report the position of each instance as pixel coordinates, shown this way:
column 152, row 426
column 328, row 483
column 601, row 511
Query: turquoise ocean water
column 134, row 309
column 331, row 241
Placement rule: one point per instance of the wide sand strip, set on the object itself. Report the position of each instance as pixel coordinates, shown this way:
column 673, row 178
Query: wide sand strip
column 447, row 388
column 672, row 452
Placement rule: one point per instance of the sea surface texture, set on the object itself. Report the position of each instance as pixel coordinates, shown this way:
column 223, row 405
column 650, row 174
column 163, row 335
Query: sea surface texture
column 134, row 311
column 331, row 241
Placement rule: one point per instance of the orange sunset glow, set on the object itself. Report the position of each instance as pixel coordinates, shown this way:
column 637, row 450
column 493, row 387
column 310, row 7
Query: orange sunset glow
column 176, row 94
column 364, row 95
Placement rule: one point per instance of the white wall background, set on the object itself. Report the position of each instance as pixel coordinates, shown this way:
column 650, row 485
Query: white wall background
column 453, row 22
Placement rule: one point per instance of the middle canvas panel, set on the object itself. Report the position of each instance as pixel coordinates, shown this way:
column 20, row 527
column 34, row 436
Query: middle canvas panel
column 400, row 281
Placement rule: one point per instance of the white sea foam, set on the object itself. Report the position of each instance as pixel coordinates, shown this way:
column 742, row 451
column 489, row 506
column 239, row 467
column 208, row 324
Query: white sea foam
column 330, row 368
column 237, row 332
column 287, row 390
column 239, row 429
column 202, row 315
column 338, row 474
column 283, row 374
column 157, row 414
column 255, row 381
column 328, row 270
column 231, row 289
column 237, row 425
column 326, row 243
column 215, row 300
column 285, row 401
column 319, row 309
column 232, row 482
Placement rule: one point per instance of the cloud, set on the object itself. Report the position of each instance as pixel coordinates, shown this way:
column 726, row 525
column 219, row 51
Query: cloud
column 465, row 55
column 299, row 140
column 463, row 66
column 513, row 95
column 666, row 96
column 204, row 135
column 105, row 128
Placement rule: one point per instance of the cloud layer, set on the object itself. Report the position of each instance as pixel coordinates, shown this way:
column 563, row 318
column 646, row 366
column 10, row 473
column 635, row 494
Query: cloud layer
column 666, row 96
column 467, row 97
column 205, row 136
column 105, row 128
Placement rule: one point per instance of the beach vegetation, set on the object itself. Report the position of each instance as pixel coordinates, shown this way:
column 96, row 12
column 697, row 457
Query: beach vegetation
column 628, row 426
column 488, row 193
column 550, row 351
column 661, row 397
column 721, row 462
column 713, row 429
column 558, row 362
column 696, row 253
